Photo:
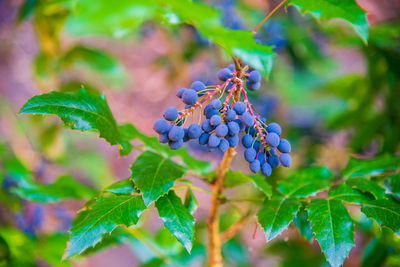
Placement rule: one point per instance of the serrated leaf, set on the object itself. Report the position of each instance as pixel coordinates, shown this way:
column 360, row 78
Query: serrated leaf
column 64, row 187
column 367, row 186
column 102, row 217
column 176, row 218
column 123, row 187
column 276, row 214
column 306, row 182
column 80, row 110
column 348, row 10
column 154, row 175
column 373, row 167
column 303, row 224
column 191, row 202
column 260, row 182
column 346, row 193
column 386, row 212
column 130, row 132
column 333, row 228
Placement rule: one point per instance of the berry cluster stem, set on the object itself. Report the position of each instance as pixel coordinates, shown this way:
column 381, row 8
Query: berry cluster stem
column 214, row 258
column 209, row 95
column 257, row 124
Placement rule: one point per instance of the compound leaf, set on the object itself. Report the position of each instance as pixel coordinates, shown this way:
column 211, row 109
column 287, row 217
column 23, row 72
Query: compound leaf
column 348, row 10
column 276, row 215
column 63, row 188
column 333, row 228
column 367, row 185
column 346, row 193
column 306, row 182
column 372, row 167
column 154, row 175
column 191, row 203
column 386, row 212
column 102, row 217
column 80, row 110
column 130, row 132
column 176, row 218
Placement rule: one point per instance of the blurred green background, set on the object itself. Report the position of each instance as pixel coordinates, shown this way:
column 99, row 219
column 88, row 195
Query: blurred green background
column 334, row 96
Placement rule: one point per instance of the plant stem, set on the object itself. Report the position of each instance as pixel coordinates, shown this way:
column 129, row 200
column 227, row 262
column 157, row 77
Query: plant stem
column 214, row 238
column 268, row 16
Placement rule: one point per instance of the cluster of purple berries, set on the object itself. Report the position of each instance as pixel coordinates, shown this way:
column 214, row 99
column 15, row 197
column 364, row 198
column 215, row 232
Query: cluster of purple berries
column 226, row 116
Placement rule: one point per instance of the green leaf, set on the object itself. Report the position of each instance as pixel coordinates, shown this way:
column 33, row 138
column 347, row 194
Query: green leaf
column 333, row 228
column 107, row 19
column 348, row 10
column 102, row 62
column 176, row 218
column 368, row 186
column 306, row 182
column 385, row 212
column 243, row 45
column 260, row 182
column 129, row 132
column 394, row 184
column 191, row 203
column 234, row 178
column 101, row 218
column 64, row 187
column 345, row 193
column 80, row 110
column 154, row 175
column 373, row 167
column 303, row 224
column 123, row 187
column 26, row 9
column 276, row 214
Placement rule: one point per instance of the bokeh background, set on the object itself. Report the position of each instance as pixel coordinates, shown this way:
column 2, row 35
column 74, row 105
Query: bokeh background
column 334, row 96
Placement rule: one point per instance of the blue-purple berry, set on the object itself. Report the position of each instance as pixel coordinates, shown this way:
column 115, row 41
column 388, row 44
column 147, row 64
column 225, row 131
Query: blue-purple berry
column 171, row 114
column 221, row 130
column 239, row 107
column 272, row 139
column 161, row 126
column 250, row 154
column 284, row 146
column 274, row 128
column 189, row 97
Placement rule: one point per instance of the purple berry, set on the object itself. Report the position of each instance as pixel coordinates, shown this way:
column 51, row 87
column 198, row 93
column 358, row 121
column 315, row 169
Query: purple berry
column 161, row 126
column 189, row 97
column 176, row 133
column 221, row 130
column 213, row 141
column 223, row 145
column 255, row 166
column 194, row 131
column 274, row 128
column 247, row 140
column 171, row 114
column 239, row 107
column 272, row 139
column 250, row 154
column 266, row 169
column 215, row 120
column 285, row 159
column 284, row 146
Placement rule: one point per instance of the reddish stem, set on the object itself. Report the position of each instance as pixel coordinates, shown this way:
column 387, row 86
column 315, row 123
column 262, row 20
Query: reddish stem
column 268, row 16
column 209, row 95
column 257, row 124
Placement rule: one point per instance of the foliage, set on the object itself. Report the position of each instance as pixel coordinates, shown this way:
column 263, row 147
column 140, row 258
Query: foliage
column 330, row 205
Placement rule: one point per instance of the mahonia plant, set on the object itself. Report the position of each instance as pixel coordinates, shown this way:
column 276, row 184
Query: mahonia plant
column 226, row 117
